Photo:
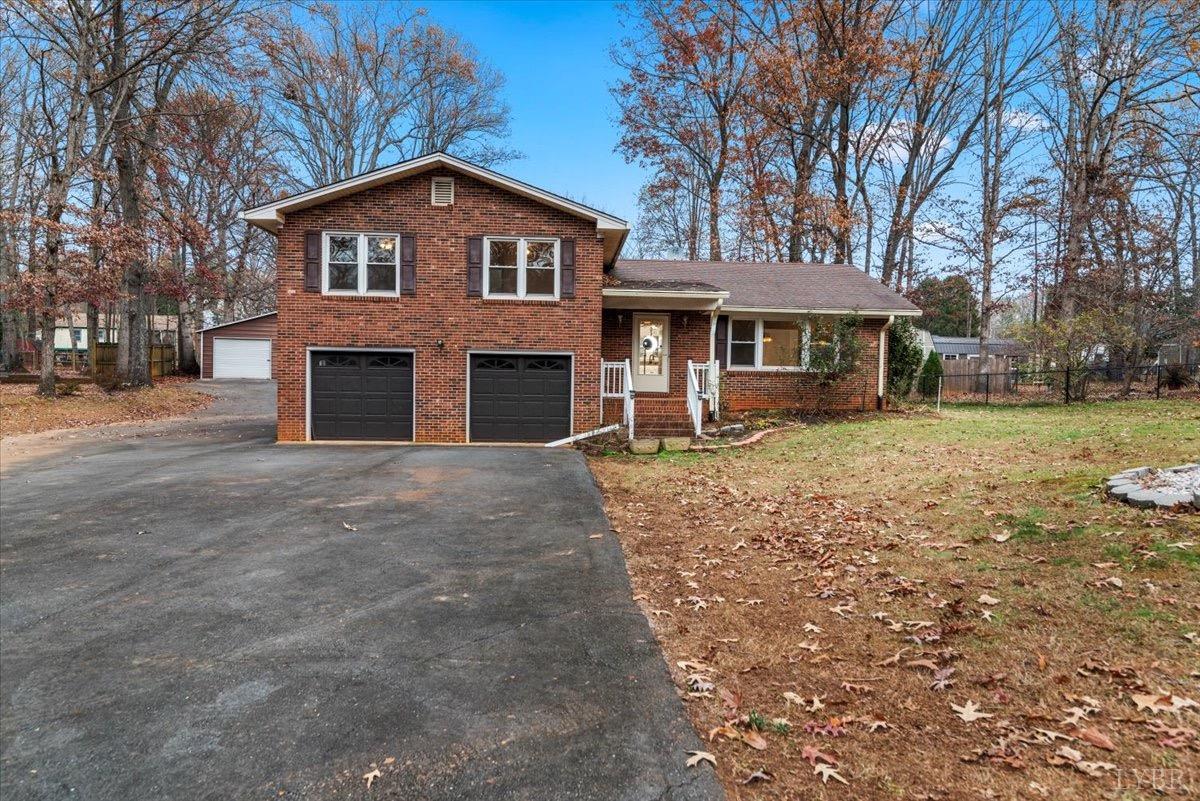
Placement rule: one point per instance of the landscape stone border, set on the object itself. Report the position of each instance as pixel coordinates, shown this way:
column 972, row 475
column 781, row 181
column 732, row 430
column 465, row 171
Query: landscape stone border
column 1130, row 487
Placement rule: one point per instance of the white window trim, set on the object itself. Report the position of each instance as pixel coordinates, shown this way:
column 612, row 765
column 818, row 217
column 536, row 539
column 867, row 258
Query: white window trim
column 362, row 290
column 521, row 293
column 758, row 366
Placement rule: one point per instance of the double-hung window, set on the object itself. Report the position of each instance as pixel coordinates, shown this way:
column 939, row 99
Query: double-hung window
column 778, row 344
column 517, row 267
column 361, row 264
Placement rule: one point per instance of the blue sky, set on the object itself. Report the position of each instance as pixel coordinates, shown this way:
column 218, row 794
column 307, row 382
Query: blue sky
column 555, row 59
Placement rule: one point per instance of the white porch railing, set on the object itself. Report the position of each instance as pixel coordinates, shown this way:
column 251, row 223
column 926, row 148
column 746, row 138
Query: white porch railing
column 695, row 400
column 708, row 384
column 616, row 381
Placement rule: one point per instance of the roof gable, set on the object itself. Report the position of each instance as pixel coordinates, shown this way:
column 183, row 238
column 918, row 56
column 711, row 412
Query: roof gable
column 269, row 215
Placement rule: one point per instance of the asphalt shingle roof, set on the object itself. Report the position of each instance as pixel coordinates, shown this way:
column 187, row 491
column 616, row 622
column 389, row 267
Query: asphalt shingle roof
column 773, row 285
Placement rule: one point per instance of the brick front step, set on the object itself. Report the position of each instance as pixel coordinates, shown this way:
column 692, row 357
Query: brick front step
column 657, row 429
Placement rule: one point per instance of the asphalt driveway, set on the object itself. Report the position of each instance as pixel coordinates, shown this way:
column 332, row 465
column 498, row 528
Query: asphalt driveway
column 188, row 610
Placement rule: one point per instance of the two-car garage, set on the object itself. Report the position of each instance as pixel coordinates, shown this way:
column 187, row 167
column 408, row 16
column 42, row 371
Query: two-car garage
column 374, row 395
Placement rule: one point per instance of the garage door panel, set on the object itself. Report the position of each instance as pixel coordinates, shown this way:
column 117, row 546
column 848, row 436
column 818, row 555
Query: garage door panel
column 241, row 358
column 520, row 398
column 362, row 395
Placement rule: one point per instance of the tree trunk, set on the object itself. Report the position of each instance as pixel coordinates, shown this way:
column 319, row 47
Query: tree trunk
column 714, row 220
column 48, row 375
column 133, row 361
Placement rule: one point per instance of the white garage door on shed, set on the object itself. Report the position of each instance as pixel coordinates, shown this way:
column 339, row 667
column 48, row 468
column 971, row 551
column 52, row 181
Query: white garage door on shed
column 241, row 358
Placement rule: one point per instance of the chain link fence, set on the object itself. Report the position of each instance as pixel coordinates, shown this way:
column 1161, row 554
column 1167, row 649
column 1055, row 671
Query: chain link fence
column 1023, row 385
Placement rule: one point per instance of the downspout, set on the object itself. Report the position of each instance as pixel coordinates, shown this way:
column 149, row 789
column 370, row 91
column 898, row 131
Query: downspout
column 880, row 391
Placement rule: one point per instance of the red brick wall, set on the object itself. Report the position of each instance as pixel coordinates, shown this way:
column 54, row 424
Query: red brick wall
column 259, row 328
column 744, row 390
column 440, row 309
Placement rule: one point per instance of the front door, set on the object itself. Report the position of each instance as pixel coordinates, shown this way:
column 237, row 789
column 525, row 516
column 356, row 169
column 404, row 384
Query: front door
column 651, row 353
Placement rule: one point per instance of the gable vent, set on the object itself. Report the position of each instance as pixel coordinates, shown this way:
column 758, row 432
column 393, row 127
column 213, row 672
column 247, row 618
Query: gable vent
column 443, row 191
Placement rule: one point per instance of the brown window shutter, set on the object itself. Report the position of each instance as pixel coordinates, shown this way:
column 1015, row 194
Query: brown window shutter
column 722, row 339
column 312, row 261
column 408, row 265
column 475, row 266
column 567, row 273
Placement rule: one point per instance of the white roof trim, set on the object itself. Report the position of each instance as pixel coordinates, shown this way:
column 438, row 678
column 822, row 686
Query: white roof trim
column 863, row 312
column 235, row 322
column 270, row 215
column 622, row 292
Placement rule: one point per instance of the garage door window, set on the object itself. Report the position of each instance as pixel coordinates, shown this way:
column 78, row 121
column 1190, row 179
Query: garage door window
column 361, row 264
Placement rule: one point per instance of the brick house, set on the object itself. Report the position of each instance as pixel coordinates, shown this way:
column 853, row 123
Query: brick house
column 439, row 301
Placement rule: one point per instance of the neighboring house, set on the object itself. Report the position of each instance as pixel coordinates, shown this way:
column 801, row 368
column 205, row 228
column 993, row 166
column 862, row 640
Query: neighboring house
column 952, row 348
column 239, row 349
column 70, row 332
column 439, row 301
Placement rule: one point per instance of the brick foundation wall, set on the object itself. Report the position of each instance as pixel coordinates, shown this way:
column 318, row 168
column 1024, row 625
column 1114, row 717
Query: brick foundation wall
column 440, row 309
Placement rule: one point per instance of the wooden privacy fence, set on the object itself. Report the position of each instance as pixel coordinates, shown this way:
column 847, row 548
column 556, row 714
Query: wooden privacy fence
column 162, row 360
column 963, row 375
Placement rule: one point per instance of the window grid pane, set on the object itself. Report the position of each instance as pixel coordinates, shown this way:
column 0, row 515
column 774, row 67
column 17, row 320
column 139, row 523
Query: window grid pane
column 502, row 253
column 381, row 250
column 381, row 277
column 502, row 281
column 539, row 282
column 741, row 354
column 742, row 331
column 781, row 344
column 539, row 255
column 343, row 276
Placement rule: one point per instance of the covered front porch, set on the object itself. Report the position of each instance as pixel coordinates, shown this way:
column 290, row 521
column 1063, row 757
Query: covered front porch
column 660, row 376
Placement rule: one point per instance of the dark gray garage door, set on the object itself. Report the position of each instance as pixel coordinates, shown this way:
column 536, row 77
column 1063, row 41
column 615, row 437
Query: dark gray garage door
column 362, row 395
column 520, row 398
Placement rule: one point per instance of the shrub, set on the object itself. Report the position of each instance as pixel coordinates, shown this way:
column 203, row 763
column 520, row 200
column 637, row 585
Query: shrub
column 904, row 358
column 1176, row 376
column 68, row 388
column 931, row 371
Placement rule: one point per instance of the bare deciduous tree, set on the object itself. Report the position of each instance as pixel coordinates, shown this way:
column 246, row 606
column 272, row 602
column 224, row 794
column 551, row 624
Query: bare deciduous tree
column 351, row 88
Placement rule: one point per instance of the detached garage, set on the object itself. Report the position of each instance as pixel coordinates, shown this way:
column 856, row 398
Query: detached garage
column 241, row 349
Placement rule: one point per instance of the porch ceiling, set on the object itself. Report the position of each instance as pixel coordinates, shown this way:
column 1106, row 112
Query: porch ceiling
column 667, row 300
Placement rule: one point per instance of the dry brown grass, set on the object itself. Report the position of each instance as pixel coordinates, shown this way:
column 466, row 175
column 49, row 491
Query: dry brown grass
column 881, row 537
column 22, row 411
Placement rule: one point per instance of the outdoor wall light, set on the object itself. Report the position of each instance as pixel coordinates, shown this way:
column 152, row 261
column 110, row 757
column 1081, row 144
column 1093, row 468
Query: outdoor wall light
column 441, row 343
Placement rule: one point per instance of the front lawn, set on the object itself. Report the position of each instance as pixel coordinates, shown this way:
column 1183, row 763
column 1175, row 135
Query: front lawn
column 22, row 411
column 849, row 597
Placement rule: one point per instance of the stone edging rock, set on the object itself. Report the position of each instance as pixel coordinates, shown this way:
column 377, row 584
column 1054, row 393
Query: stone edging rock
column 1128, row 486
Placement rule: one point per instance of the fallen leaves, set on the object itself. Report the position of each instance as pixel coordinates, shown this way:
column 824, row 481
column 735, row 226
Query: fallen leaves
column 1066, row 755
column 969, row 712
column 349, row 527
column 827, row 772
column 696, row 757
column 1161, row 702
column 371, row 777
column 1097, row 738
column 757, row 776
